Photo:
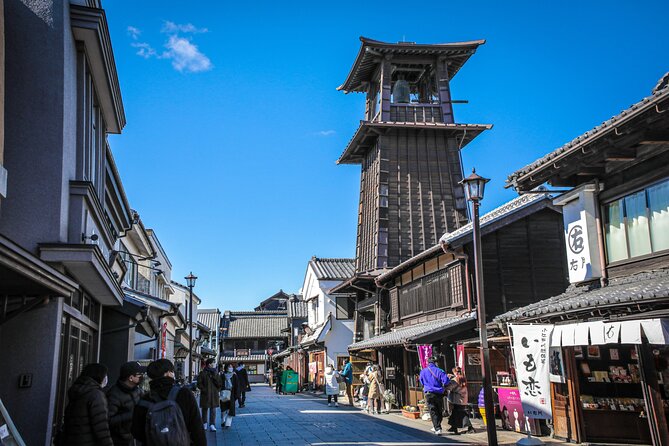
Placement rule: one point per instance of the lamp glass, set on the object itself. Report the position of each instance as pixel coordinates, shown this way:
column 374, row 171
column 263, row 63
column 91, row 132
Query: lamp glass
column 474, row 186
column 190, row 280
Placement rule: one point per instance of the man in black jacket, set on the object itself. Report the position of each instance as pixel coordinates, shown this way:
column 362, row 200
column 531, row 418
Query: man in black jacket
column 162, row 381
column 122, row 398
column 244, row 385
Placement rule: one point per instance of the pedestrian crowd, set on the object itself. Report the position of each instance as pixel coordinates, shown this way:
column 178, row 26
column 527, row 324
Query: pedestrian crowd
column 123, row 415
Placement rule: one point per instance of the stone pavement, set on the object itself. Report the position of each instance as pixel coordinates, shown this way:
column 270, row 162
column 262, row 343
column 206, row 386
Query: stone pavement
column 270, row 419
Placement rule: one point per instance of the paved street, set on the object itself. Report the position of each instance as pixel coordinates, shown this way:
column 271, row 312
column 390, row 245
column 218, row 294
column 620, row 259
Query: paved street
column 269, row 419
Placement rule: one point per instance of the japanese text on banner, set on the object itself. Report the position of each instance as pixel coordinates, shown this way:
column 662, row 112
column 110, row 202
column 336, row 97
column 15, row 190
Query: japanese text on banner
column 531, row 346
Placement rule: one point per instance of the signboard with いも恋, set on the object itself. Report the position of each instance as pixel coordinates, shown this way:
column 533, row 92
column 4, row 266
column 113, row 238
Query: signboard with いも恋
column 531, row 353
column 580, row 233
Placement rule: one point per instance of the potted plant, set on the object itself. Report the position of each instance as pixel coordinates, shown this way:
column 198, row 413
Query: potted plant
column 389, row 399
column 411, row 412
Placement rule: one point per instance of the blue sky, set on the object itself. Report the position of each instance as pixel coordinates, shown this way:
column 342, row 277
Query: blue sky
column 235, row 124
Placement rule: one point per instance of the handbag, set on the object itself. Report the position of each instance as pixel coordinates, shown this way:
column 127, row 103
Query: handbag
column 225, row 395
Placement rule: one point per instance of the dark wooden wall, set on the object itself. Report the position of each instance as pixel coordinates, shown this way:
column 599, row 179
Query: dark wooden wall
column 523, row 262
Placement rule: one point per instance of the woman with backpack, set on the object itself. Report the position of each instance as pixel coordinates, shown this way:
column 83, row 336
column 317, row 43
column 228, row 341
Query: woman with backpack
column 168, row 414
column 230, row 392
column 86, row 420
column 331, row 384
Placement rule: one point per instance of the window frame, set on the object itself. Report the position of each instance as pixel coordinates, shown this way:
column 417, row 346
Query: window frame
column 604, row 222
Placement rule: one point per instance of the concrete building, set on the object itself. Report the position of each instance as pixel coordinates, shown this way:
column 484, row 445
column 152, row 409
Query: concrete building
column 63, row 208
column 329, row 330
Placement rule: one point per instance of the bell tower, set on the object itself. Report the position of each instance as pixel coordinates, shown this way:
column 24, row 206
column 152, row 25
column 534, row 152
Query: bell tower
column 408, row 146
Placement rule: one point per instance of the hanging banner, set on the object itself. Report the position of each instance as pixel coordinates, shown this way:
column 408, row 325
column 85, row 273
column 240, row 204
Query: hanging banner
column 424, row 353
column 531, row 344
column 460, row 356
column 163, row 341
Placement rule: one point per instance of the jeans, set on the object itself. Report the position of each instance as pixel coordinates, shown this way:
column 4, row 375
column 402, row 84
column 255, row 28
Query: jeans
column 349, row 393
column 330, row 398
column 435, row 401
column 212, row 415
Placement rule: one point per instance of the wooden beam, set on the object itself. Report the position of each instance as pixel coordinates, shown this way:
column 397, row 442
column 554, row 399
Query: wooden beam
column 655, row 137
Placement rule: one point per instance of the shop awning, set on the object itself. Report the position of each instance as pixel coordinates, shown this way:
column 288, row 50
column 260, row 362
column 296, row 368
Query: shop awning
column 318, row 335
column 425, row 332
column 284, row 353
column 656, row 332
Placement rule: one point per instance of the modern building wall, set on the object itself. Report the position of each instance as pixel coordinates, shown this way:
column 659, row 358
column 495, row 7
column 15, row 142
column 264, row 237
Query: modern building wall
column 119, row 345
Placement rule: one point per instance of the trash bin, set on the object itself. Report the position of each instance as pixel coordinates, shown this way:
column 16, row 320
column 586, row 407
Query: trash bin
column 289, row 381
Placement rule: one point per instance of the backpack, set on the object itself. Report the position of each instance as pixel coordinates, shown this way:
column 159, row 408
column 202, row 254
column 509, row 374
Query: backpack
column 165, row 425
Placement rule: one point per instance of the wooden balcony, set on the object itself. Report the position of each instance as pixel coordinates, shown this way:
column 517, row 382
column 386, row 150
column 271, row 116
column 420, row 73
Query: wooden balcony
column 415, row 113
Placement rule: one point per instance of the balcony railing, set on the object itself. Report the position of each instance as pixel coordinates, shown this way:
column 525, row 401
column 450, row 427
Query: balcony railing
column 415, row 113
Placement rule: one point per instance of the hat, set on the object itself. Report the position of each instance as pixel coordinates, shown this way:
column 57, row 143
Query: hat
column 159, row 367
column 432, row 360
column 131, row 368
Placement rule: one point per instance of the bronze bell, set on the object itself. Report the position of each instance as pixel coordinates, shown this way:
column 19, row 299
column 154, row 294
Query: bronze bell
column 401, row 92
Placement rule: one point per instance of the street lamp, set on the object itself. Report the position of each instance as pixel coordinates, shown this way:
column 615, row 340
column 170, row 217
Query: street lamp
column 190, row 281
column 474, row 187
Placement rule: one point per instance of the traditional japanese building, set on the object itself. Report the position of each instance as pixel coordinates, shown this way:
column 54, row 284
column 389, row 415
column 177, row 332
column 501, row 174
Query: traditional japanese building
column 408, row 146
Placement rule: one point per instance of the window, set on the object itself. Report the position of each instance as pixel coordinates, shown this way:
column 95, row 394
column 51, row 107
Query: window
column 345, row 307
column 131, row 273
column 638, row 224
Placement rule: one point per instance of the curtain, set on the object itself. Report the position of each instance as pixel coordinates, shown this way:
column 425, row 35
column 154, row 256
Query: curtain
column 616, row 242
column 658, row 202
column 637, row 224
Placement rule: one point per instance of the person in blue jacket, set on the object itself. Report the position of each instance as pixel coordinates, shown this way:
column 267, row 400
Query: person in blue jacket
column 347, row 373
column 434, row 381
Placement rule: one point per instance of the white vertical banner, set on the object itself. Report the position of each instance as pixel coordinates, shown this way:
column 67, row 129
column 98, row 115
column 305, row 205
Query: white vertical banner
column 531, row 348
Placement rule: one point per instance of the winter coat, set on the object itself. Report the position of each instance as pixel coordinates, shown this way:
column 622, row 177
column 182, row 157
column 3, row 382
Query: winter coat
column 347, row 373
column 243, row 377
column 331, row 383
column 160, row 389
column 375, row 391
column 86, row 421
column 235, row 393
column 209, row 383
column 457, row 393
column 121, row 402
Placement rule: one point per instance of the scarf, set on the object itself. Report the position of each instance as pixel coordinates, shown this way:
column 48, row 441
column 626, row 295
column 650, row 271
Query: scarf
column 228, row 380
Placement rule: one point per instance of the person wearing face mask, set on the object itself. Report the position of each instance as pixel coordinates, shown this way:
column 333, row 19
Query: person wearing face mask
column 164, row 387
column 122, row 398
column 86, row 422
column 231, row 383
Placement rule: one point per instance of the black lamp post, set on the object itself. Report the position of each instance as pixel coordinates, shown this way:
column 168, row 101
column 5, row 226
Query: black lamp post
column 190, row 281
column 474, row 187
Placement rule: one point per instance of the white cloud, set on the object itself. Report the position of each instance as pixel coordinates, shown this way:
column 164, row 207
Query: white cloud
column 185, row 55
column 134, row 32
column 189, row 28
column 326, row 133
column 144, row 49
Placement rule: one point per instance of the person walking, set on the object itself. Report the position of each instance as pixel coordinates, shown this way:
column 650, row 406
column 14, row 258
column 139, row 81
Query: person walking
column 86, row 418
column 244, row 385
column 163, row 388
column 458, row 398
column 434, row 380
column 331, row 377
column 347, row 373
column 209, row 382
column 230, row 383
column 375, row 385
column 122, row 398
column 278, row 373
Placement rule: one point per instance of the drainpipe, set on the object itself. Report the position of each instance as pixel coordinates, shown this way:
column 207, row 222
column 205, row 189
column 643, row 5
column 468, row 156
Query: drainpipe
column 600, row 236
column 465, row 257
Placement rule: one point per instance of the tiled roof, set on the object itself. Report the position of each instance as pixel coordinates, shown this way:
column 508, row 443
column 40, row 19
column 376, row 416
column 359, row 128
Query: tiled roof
column 210, row 317
column 283, row 353
column 370, row 50
column 255, row 326
column 407, row 334
column 250, row 358
column 660, row 93
column 257, row 313
column 297, row 308
column 318, row 334
column 332, row 269
column 510, row 207
column 621, row 291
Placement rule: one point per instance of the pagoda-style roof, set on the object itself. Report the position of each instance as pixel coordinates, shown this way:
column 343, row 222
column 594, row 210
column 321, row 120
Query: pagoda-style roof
column 371, row 51
column 366, row 135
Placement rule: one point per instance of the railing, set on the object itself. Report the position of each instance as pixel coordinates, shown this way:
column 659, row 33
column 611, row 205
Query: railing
column 415, row 113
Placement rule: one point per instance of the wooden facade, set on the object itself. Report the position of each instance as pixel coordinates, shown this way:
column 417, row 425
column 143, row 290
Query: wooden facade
column 410, row 157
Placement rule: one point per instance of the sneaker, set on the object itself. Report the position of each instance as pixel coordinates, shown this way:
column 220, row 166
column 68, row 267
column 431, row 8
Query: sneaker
column 329, row 404
column 212, row 428
column 336, row 404
column 206, row 426
column 437, row 432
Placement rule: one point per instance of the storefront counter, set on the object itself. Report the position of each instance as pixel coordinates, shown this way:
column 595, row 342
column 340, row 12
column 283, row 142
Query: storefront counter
column 616, row 426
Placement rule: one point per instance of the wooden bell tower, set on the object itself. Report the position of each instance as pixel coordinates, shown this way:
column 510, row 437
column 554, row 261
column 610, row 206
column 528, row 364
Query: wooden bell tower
column 408, row 146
